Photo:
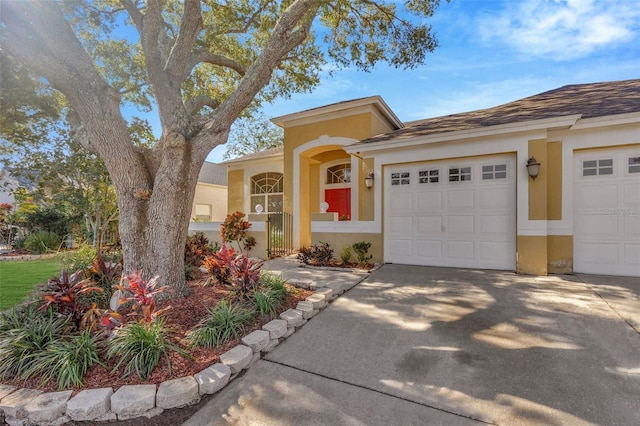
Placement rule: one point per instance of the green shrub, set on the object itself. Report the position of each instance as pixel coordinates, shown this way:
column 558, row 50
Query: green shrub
column 223, row 323
column 43, row 242
column 361, row 248
column 139, row 346
column 274, row 283
column 80, row 259
column 346, row 254
column 25, row 335
column 267, row 302
column 67, row 361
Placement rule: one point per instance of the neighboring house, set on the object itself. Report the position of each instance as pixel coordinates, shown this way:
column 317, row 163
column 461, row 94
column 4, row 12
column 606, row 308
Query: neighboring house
column 8, row 184
column 210, row 201
column 455, row 191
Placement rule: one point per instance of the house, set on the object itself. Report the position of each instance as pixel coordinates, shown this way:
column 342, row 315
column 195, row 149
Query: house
column 209, row 207
column 545, row 184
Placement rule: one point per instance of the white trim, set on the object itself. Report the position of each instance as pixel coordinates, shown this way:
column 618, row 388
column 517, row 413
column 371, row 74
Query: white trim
column 609, row 120
column 321, row 141
column 346, row 227
column 491, row 131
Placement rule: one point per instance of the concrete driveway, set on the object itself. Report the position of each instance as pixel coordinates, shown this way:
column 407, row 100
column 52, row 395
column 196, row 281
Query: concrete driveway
column 428, row 346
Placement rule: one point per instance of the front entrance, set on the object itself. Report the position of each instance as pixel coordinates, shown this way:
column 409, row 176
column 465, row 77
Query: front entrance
column 339, row 201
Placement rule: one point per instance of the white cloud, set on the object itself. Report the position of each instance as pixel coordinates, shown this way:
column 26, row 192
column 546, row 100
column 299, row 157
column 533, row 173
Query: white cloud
column 562, row 29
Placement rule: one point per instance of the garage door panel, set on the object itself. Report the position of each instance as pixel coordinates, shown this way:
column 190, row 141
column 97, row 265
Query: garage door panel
column 607, row 213
column 460, row 250
column 431, row 249
column 429, row 225
column 401, row 247
column 597, row 197
column 632, row 254
column 631, row 193
column 495, row 225
column 467, row 222
column 401, row 224
column 460, row 199
column 598, row 224
column 495, row 198
column 402, row 202
column 429, row 201
column 460, row 224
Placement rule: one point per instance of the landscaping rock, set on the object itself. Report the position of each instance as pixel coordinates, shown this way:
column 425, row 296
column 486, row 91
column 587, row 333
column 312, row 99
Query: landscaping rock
column 176, row 393
column 254, row 359
column 6, row 390
column 326, row 292
column 257, row 340
column 276, row 328
column 293, row 317
column 307, row 309
column 13, row 404
column 90, row 404
column 272, row 344
column 133, row 400
column 237, row 358
column 148, row 414
column 212, row 379
column 47, row 407
column 317, row 300
column 338, row 288
column 290, row 331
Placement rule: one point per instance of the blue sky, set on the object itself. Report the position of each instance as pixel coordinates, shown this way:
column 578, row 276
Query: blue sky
column 492, row 52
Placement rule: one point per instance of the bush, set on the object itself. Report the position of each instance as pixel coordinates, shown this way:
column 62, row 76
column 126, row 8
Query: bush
column 361, row 248
column 245, row 273
column 43, row 242
column 346, row 254
column 274, row 283
column 139, row 346
column 80, row 259
column 223, row 323
column 25, row 335
column 196, row 249
column 267, row 302
column 319, row 254
column 67, row 361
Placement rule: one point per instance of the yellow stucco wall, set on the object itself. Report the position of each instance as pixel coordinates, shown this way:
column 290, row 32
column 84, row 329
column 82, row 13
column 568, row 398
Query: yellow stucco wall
column 214, row 196
column 554, row 181
column 235, row 188
column 337, row 241
column 532, row 255
column 560, row 254
column 538, row 186
column 366, row 207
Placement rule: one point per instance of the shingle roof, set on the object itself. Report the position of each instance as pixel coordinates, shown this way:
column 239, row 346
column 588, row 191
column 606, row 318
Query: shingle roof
column 589, row 100
column 271, row 152
column 213, row 173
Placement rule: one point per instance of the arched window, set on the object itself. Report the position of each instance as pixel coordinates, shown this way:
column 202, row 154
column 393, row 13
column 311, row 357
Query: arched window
column 340, row 173
column 266, row 190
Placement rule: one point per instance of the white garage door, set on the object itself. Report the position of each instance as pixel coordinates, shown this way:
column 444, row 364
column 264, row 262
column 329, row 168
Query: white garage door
column 459, row 213
column 606, row 235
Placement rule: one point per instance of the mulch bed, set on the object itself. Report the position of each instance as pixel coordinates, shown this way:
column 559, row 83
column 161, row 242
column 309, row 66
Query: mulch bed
column 184, row 314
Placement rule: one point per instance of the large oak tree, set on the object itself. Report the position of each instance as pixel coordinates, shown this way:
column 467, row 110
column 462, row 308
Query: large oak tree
column 198, row 65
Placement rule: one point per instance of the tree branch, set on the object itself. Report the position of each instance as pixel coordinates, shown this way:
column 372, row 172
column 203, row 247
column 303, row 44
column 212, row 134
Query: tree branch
column 195, row 104
column 134, row 13
column 202, row 56
column 189, row 29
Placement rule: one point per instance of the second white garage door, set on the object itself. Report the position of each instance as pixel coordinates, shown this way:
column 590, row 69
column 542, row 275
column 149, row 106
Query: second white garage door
column 457, row 213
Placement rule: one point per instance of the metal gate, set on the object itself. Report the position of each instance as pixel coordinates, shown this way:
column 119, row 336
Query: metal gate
column 279, row 235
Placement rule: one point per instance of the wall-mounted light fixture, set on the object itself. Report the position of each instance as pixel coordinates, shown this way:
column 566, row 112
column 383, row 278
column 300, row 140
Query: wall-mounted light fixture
column 533, row 167
column 368, row 180
column 259, row 208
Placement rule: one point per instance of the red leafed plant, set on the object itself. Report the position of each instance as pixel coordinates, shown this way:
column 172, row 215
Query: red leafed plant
column 234, row 229
column 143, row 294
column 217, row 265
column 245, row 272
column 63, row 293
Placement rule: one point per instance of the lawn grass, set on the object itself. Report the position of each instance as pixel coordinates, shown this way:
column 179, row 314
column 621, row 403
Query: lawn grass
column 18, row 278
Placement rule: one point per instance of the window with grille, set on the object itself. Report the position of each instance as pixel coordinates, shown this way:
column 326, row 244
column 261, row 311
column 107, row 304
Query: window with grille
column 634, row 164
column 267, row 190
column 597, row 167
column 402, row 178
column 459, row 174
column 340, row 173
column 497, row 171
column 429, row 176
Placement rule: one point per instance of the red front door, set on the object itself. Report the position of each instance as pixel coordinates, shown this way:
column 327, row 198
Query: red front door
column 339, row 201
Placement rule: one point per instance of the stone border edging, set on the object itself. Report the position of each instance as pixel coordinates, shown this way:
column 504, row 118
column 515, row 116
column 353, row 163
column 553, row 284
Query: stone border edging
column 29, row 406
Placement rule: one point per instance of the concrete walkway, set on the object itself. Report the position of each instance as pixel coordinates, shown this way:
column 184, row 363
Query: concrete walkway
column 429, row 346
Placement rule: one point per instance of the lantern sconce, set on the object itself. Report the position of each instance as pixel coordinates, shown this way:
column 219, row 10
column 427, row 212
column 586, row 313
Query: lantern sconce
column 368, row 180
column 533, row 167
